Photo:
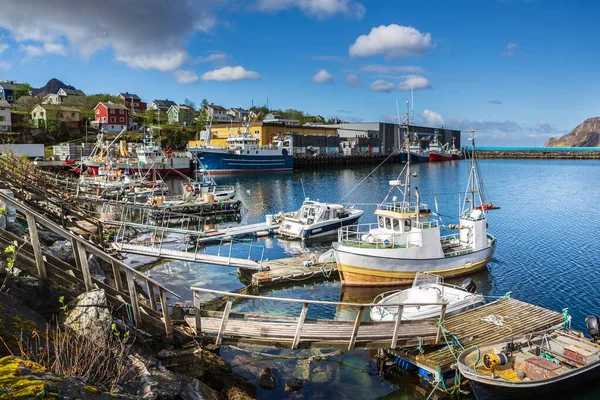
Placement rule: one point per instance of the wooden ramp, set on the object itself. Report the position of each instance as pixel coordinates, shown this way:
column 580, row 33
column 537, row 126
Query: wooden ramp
column 233, row 231
column 187, row 256
column 300, row 332
column 516, row 319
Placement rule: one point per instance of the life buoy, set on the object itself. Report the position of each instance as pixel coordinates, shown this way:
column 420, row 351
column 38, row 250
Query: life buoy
column 189, row 188
column 213, row 207
column 236, row 205
column 186, row 210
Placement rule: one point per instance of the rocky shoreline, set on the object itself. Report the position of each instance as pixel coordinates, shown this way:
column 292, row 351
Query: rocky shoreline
column 540, row 154
column 156, row 369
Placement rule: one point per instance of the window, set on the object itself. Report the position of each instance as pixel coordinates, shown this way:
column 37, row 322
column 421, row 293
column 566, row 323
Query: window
column 1, row 117
column 121, row 111
column 121, row 119
column 97, row 111
column 257, row 132
column 112, row 111
column 136, row 104
column 381, row 222
column 388, row 223
column 396, row 224
column 326, row 215
column 73, row 115
column 103, row 119
column 407, row 225
column 113, row 119
column 9, row 98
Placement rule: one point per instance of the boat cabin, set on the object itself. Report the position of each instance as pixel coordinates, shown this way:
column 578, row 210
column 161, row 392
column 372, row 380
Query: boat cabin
column 401, row 217
column 313, row 211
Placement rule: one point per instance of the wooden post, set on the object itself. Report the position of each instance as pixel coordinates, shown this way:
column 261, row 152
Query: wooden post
column 397, row 326
column 440, row 322
column 151, row 296
column 198, row 312
column 355, row 329
column 299, row 327
column 224, row 320
column 133, row 298
column 85, row 269
column 37, row 250
column 76, row 253
column 117, row 275
column 165, row 312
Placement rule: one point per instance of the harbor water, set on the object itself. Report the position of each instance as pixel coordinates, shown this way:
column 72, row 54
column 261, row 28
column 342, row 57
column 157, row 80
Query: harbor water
column 547, row 254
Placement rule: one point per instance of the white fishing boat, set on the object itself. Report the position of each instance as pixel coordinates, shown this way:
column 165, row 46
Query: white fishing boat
column 427, row 289
column 315, row 219
column 406, row 240
column 205, row 184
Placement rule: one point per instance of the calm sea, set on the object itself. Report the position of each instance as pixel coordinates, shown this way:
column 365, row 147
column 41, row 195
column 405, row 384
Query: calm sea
column 548, row 253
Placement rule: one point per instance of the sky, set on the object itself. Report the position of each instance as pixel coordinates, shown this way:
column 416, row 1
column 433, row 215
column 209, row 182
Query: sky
column 518, row 71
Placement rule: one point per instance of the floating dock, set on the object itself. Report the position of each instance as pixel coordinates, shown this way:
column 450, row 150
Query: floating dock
column 292, row 270
column 511, row 318
column 260, row 229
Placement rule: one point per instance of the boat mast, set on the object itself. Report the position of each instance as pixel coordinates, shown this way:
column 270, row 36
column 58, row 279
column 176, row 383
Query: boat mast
column 407, row 189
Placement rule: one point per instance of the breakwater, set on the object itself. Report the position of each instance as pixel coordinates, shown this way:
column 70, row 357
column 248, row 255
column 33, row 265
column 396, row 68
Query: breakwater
column 332, row 160
column 541, row 154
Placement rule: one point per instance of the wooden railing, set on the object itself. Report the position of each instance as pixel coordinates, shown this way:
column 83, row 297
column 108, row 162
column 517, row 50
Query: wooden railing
column 81, row 249
column 302, row 317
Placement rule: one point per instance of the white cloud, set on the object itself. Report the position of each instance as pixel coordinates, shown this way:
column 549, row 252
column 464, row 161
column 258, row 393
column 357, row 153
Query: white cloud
column 184, row 76
column 5, row 65
column 3, row 47
column 353, row 80
column 510, row 50
column 393, row 41
column 322, row 77
column 432, row 118
column 216, row 58
column 382, row 86
column 229, row 74
column 142, row 34
column 47, row 48
column 388, row 69
column 320, row 9
column 414, row 82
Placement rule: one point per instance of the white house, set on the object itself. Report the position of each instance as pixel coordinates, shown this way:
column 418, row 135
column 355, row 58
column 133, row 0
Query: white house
column 277, row 119
column 58, row 97
column 5, row 121
column 239, row 114
column 218, row 114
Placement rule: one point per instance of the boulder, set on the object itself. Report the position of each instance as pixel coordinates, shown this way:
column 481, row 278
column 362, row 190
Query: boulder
column 266, row 379
column 90, row 315
column 293, row 385
column 36, row 294
column 18, row 321
column 63, row 250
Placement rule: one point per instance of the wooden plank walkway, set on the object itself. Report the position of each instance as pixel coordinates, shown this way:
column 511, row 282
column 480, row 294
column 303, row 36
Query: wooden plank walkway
column 225, row 327
column 292, row 270
column 519, row 319
column 187, row 256
column 230, row 232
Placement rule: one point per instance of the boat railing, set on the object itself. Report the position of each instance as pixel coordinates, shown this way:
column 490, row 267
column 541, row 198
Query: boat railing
column 426, row 224
column 360, row 235
column 402, row 207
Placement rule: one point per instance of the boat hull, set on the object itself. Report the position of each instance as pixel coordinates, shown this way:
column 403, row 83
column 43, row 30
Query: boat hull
column 559, row 387
column 324, row 229
column 419, row 158
column 220, row 163
column 383, row 269
column 438, row 157
column 170, row 167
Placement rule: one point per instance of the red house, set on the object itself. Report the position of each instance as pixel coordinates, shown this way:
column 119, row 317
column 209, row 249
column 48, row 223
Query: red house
column 133, row 102
column 111, row 117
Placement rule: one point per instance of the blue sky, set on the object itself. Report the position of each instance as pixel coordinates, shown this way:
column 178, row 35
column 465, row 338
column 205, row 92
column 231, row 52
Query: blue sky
column 518, row 71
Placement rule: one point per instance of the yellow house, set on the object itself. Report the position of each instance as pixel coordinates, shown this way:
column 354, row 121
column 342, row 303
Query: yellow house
column 264, row 131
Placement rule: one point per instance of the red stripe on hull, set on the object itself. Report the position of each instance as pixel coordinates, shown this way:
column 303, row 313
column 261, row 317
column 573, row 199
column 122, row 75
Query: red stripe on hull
column 436, row 157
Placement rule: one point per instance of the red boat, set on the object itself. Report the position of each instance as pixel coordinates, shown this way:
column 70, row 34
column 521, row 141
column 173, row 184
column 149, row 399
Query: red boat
column 437, row 157
column 487, row 206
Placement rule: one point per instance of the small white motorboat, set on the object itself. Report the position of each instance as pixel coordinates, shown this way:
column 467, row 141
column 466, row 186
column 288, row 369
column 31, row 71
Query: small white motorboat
column 315, row 219
column 427, row 289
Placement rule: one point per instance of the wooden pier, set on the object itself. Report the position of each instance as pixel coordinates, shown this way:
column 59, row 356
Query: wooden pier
column 515, row 318
column 225, row 327
column 292, row 270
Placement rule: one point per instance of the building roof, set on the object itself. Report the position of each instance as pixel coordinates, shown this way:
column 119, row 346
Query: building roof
column 164, row 104
column 4, row 103
column 110, row 105
column 73, row 92
column 129, row 96
column 57, row 107
column 7, row 85
column 217, row 108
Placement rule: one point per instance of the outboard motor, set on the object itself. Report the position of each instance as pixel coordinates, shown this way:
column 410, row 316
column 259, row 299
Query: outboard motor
column 592, row 324
column 469, row 285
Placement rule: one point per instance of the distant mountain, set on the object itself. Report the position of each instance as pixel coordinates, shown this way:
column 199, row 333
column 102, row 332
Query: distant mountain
column 53, row 86
column 586, row 134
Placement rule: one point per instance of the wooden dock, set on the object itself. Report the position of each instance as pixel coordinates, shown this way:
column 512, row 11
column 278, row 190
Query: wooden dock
column 225, row 327
column 516, row 317
column 292, row 270
column 241, row 230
